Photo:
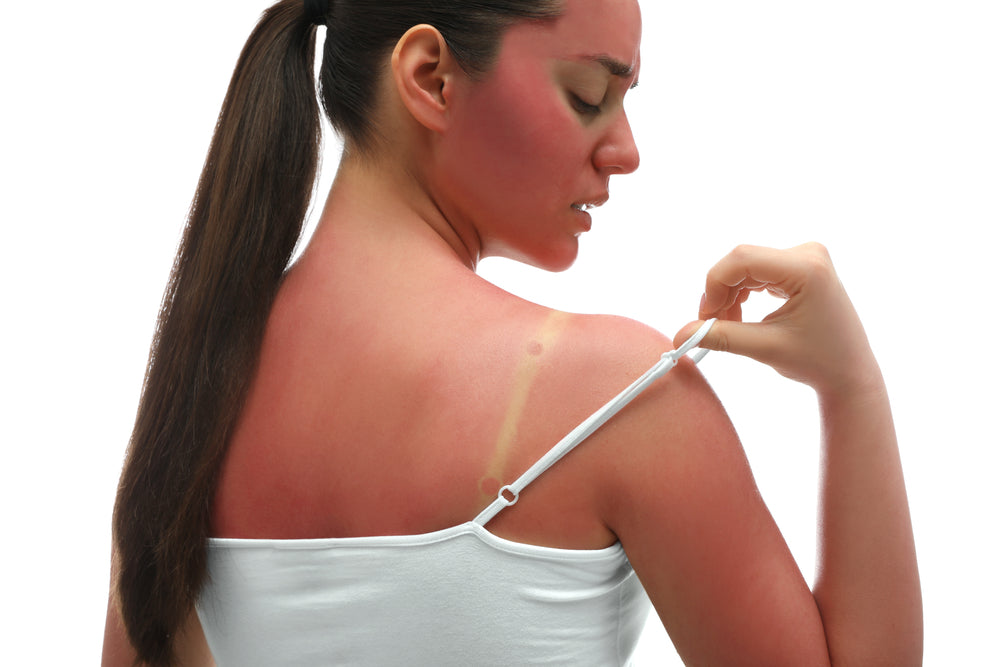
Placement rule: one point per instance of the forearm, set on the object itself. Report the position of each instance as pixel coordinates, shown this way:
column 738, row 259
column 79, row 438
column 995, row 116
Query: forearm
column 867, row 584
column 867, row 587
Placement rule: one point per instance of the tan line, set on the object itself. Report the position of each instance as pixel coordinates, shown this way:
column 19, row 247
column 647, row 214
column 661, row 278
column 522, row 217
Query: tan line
column 524, row 378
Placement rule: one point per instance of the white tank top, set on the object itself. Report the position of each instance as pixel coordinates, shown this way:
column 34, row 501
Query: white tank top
column 460, row 596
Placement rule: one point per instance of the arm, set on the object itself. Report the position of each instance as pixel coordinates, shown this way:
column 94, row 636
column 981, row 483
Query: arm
column 682, row 500
column 191, row 649
column 867, row 587
column 117, row 652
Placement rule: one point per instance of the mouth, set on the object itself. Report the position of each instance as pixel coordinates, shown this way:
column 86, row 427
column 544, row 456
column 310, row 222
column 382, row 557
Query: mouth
column 582, row 208
column 588, row 204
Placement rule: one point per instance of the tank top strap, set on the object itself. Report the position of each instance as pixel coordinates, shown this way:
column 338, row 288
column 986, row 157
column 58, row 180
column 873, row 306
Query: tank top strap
column 509, row 494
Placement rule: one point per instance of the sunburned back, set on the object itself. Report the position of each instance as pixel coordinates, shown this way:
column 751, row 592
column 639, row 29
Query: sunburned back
column 389, row 406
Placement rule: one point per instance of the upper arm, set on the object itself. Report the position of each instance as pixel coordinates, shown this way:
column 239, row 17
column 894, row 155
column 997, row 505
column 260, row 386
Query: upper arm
column 190, row 646
column 682, row 500
column 117, row 651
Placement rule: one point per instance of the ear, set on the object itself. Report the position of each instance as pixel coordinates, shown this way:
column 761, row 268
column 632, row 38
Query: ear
column 424, row 72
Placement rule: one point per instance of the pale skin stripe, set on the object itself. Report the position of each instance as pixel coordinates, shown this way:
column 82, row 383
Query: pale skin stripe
column 524, row 378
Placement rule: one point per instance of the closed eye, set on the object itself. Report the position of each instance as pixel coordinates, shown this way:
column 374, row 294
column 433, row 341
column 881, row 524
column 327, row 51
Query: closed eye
column 583, row 107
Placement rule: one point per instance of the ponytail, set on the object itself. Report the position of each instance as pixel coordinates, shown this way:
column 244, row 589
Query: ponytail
column 243, row 225
column 244, row 222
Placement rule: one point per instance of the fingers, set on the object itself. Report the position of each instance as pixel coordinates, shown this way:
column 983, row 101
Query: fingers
column 753, row 268
column 749, row 340
column 814, row 337
column 687, row 331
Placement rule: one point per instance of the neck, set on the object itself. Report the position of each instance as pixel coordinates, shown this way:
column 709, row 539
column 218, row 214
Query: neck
column 389, row 202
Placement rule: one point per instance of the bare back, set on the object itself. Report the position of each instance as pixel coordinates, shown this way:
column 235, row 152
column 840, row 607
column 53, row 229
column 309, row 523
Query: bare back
column 399, row 401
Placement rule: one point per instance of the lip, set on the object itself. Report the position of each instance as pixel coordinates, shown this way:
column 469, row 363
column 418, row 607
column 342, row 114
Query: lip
column 583, row 218
column 591, row 202
column 582, row 208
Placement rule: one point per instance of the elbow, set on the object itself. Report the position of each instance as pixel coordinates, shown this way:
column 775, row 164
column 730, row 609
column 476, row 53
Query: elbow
column 899, row 647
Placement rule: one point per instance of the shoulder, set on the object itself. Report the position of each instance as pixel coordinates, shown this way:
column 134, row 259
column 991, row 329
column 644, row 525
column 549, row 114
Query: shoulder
column 610, row 348
column 674, row 435
column 675, row 413
column 677, row 424
column 603, row 354
column 612, row 351
column 621, row 335
column 675, row 487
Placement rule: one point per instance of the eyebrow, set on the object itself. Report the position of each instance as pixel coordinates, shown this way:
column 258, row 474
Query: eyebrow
column 615, row 67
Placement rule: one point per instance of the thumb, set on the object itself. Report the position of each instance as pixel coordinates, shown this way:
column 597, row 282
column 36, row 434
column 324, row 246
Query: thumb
column 746, row 339
column 689, row 330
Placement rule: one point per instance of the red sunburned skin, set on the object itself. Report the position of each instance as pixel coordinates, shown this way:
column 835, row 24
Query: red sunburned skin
column 533, row 144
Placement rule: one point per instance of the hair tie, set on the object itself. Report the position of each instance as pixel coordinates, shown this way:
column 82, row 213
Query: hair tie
column 315, row 11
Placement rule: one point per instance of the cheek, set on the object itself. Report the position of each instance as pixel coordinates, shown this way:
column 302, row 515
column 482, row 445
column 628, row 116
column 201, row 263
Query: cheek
column 516, row 137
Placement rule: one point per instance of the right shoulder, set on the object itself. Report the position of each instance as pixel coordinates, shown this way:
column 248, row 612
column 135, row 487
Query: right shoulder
column 652, row 439
column 609, row 349
column 677, row 490
column 674, row 415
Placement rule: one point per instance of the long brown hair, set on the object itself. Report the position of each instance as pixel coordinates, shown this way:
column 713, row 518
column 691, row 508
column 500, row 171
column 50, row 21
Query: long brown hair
column 244, row 223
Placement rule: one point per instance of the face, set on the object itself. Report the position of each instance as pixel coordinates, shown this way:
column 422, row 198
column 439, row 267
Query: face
column 534, row 143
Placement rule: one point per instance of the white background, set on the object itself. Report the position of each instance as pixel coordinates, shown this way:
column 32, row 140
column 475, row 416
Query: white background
column 870, row 126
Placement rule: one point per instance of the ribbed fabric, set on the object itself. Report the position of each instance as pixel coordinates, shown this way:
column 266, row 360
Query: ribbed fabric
column 460, row 596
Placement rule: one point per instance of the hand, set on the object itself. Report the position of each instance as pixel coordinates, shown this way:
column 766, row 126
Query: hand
column 815, row 337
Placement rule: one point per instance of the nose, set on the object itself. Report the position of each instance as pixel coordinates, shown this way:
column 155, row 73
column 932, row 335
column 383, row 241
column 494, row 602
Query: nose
column 617, row 153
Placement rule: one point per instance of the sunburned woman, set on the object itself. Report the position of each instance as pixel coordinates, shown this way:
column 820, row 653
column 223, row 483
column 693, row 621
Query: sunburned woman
column 327, row 455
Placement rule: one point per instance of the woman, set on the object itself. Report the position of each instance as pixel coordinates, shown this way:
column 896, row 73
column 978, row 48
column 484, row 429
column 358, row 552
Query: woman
column 314, row 441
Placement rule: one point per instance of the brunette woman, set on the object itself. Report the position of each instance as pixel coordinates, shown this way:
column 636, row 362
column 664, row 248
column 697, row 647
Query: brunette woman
column 328, row 461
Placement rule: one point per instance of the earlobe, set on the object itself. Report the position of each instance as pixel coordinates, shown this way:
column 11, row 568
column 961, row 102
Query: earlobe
column 423, row 71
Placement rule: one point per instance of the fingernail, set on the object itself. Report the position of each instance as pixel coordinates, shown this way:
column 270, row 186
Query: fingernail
column 704, row 300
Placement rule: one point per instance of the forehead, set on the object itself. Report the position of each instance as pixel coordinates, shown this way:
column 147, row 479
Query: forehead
column 599, row 31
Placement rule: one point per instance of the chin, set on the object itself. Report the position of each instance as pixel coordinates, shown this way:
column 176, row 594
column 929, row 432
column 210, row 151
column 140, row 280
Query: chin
column 553, row 259
column 557, row 267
